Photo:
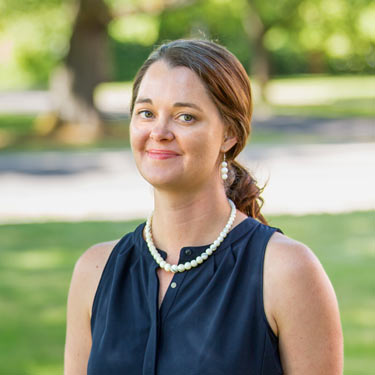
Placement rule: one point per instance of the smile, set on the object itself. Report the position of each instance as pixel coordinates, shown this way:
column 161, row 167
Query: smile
column 161, row 154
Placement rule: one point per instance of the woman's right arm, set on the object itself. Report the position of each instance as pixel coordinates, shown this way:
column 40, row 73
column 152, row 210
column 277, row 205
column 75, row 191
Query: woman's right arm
column 86, row 276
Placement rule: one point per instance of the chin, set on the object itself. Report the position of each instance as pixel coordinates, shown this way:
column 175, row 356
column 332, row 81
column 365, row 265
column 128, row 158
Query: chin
column 166, row 181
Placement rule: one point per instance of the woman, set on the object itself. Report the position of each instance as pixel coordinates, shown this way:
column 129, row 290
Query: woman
column 205, row 287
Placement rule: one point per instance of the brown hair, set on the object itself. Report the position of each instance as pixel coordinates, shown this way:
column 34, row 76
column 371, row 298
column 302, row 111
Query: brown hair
column 228, row 85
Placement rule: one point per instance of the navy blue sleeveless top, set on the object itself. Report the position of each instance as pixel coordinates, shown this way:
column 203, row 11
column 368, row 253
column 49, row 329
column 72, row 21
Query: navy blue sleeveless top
column 211, row 320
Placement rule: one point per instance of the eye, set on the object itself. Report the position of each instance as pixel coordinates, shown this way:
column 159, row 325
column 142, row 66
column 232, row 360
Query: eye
column 185, row 117
column 145, row 114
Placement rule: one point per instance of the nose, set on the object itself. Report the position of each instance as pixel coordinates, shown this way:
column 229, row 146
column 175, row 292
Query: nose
column 161, row 131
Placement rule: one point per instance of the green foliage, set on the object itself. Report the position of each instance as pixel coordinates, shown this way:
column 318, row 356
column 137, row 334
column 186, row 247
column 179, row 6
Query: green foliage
column 218, row 20
column 301, row 36
column 37, row 262
column 142, row 29
column 34, row 37
column 330, row 35
column 275, row 13
column 128, row 58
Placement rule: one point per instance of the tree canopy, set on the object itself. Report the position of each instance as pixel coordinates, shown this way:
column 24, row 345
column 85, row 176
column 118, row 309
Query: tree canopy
column 299, row 36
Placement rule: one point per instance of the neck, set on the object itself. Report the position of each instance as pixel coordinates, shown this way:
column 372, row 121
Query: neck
column 182, row 220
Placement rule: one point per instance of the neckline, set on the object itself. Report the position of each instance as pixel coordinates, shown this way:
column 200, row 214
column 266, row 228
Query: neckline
column 233, row 235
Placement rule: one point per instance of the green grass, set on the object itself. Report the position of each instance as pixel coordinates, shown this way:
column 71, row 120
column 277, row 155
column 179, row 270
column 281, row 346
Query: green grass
column 335, row 109
column 323, row 96
column 308, row 96
column 35, row 270
column 17, row 125
column 37, row 262
column 18, row 133
column 345, row 245
column 272, row 137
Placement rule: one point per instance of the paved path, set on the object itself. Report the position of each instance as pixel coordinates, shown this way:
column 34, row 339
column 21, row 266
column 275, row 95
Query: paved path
column 115, row 103
column 106, row 185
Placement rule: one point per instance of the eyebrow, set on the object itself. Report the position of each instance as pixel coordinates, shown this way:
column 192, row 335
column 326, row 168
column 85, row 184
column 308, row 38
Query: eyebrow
column 178, row 104
column 191, row 105
column 143, row 100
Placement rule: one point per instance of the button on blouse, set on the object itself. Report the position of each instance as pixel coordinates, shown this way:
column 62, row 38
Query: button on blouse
column 187, row 252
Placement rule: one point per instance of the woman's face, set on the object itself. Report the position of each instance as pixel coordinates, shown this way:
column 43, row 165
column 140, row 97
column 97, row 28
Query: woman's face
column 176, row 130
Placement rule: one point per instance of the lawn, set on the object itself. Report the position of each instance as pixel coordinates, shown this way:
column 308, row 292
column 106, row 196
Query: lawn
column 37, row 262
column 327, row 96
column 19, row 132
column 306, row 96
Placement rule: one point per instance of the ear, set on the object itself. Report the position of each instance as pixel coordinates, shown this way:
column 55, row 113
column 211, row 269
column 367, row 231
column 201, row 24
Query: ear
column 228, row 142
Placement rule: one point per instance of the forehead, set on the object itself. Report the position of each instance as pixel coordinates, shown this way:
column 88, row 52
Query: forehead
column 175, row 83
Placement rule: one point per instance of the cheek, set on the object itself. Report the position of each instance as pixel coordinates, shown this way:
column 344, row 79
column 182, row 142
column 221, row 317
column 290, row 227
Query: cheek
column 204, row 149
column 138, row 137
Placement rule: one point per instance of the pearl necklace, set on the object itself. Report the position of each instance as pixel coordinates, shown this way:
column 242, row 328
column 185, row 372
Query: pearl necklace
column 199, row 259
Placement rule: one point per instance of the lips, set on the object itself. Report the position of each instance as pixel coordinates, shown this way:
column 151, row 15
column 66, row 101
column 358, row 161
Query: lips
column 161, row 154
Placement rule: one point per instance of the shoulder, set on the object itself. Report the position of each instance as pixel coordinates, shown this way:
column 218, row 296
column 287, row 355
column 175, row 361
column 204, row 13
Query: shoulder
column 94, row 259
column 301, row 303
column 95, row 256
column 89, row 268
column 86, row 276
column 287, row 262
column 289, row 256
column 91, row 263
column 294, row 273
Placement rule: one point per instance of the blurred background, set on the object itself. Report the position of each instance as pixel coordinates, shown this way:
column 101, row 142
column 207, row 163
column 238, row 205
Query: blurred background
column 68, row 180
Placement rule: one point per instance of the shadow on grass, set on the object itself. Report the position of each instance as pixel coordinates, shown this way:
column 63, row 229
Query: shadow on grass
column 37, row 262
column 36, row 266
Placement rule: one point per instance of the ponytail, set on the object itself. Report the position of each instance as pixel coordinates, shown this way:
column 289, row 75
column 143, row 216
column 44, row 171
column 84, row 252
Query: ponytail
column 242, row 189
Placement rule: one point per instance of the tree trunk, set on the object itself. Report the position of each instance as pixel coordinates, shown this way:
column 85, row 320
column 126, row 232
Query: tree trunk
column 260, row 64
column 86, row 65
column 316, row 62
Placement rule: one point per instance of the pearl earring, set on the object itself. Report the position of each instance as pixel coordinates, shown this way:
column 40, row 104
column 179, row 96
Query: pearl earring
column 224, row 169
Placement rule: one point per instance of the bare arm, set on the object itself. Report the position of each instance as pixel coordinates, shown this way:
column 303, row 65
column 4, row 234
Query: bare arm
column 303, row 307
column 85, row 279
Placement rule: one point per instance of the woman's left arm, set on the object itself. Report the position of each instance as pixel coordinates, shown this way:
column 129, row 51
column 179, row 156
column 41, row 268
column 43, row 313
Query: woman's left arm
column 304, row 309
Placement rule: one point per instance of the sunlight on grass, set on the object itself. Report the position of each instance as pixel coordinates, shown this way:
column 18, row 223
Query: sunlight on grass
column 323, row 96
column 34, row 259
column 315, row 90
column 304, row 95
column 38, row 259
column 363, row 317
column 34, row 282
column 47, row 369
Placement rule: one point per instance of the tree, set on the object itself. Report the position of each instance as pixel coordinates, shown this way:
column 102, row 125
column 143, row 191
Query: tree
column 86, row 65
column 34, row 36
column 222, row 20
column 260, row 17
column 283, row 37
